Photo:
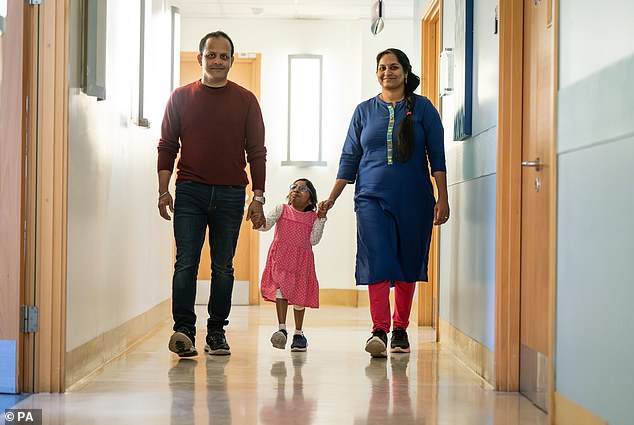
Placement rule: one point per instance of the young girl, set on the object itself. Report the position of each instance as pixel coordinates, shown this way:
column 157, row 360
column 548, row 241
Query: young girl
column 289, row 275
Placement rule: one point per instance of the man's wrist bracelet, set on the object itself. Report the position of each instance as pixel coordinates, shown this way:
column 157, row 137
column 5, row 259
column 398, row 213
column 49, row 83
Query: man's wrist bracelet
column 163, row 194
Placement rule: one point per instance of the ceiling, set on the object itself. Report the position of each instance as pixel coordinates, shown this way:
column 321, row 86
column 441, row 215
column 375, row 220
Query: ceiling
column 292, row 9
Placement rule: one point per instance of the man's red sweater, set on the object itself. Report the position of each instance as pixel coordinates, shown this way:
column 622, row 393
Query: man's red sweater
column 215, row 126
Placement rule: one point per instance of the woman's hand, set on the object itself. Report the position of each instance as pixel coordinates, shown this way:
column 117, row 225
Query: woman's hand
column 327, row 204
column 441, row 211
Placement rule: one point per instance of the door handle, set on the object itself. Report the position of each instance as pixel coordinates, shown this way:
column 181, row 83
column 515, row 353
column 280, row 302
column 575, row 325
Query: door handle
column 537, row 164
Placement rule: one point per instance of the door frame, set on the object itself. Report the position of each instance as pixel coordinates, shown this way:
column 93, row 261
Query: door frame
column 431, row 46
column 45, row 141
column 509, row 201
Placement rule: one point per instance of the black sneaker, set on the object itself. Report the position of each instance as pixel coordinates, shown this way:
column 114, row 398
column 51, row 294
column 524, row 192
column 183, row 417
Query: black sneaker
column 278, row 339
column 376, row 345
column 217, row 344
column 399, row 342
column 300, row 343
column 182, row 343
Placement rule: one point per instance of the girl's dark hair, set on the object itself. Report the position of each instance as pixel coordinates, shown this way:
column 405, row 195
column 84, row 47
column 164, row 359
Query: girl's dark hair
column 405, row 132
column 312, row 206
column 215, row 34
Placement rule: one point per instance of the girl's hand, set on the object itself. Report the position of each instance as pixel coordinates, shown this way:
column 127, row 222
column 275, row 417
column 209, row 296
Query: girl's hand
column 321, row 213
column 441, row 211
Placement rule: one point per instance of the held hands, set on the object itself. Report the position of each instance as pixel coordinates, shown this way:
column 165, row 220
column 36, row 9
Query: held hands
column 324, row 206
column 164, row 201
column 441, row 212
column 255, row 213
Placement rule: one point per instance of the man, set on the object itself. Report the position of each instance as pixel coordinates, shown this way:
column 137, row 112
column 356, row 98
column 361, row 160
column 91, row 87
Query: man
column 216, row 122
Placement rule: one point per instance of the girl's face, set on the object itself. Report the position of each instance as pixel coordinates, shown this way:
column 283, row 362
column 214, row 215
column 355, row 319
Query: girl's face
column 299, row 195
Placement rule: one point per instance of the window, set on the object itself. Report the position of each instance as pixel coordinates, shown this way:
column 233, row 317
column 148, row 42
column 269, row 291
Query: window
column 304, row 110
column 176, row 47
column 142, row 121
column 94, row 48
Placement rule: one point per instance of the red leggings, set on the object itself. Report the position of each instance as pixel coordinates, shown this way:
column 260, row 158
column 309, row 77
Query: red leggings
column 380, row 304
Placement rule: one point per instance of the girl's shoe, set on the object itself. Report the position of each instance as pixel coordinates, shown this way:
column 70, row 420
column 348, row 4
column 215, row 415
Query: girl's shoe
column 300, row 343
column 278, row 339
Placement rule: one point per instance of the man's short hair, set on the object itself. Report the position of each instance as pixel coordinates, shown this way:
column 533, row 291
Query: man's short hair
column 215, row 34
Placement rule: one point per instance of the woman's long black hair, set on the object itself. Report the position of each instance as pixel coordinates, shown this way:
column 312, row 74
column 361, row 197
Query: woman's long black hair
column 312, row 206
column 405, row 132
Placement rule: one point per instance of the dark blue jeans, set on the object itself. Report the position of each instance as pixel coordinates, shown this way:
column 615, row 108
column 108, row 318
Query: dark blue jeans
column 197, row 207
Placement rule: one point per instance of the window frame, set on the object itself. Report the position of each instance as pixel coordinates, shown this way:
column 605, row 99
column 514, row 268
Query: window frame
column 304, row 163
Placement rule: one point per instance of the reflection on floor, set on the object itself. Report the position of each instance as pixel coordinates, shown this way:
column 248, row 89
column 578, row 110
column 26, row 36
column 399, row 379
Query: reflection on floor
column 334, row 382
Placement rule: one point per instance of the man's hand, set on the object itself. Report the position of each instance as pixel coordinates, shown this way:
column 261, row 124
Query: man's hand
column 164, row 202
column 255, row 213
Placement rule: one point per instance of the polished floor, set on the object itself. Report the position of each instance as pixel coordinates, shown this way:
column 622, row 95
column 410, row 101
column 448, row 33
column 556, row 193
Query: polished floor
column 334, row 382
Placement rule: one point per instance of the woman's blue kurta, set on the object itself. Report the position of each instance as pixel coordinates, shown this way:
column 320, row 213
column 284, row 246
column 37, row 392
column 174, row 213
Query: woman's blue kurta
column 394, row 202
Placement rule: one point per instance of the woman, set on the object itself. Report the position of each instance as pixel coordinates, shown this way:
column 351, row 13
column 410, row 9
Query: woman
column 389, row 143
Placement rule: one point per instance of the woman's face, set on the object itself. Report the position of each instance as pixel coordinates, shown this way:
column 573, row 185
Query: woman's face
column 390, row 73
column 299, row 195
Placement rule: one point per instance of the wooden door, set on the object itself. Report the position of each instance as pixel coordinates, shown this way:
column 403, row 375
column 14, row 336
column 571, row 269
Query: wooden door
column 537, row 160
column 11, row 190
column 245, row 72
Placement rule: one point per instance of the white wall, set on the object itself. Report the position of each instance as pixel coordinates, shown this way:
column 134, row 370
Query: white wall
column 595, row 321
column 467, row 252
column 119, row 249
column 593, row 34
column 349, row 51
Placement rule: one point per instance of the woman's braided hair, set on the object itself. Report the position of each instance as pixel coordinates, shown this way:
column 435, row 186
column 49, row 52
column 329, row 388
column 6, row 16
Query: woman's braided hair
column 405, row 132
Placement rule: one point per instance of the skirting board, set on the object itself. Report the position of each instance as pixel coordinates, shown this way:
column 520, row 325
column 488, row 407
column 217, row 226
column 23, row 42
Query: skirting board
column 472, row 353
column 567, row 412
column 95, row 353
column 343, row 297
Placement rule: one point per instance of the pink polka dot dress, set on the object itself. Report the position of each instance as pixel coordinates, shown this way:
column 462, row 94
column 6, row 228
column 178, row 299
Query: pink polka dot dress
column 290, row 265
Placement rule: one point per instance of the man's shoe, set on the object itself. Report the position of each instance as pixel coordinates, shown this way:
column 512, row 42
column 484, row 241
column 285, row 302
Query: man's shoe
column 217, row 344
column 399, row 342
column 182, row 344
column 278, row 339
column 376, row 345
column 300, row 343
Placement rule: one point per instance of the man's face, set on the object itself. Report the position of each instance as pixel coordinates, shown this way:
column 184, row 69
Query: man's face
column 216, row 61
